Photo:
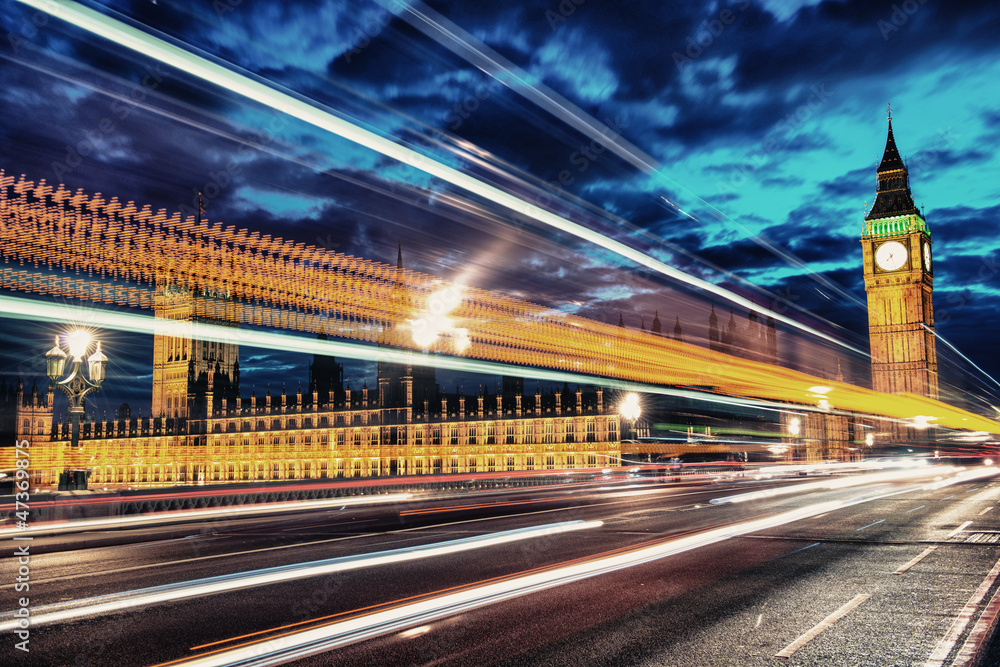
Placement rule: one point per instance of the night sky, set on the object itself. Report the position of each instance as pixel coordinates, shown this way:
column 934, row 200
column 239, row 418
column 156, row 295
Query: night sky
column 747, row 136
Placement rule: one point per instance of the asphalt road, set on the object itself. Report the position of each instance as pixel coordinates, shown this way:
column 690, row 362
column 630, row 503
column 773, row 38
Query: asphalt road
column 625, row 573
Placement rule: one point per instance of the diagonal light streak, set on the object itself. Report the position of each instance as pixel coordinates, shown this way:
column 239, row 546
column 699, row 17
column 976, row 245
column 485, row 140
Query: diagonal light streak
column 21, row 308
column 466, row 46
column 184, row 516
column 115, row 602
column 286, row 648
column 843, row 482
column 312, row 113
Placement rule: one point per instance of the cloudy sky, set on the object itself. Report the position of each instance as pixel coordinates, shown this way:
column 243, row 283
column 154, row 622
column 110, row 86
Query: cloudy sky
column 735, row 141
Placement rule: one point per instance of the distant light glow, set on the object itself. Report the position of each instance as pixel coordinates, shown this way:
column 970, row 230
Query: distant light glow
column 629, row 408
column 794, row 426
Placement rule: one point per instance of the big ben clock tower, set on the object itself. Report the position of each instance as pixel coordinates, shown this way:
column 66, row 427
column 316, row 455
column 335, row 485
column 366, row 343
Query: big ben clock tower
column 899, row 279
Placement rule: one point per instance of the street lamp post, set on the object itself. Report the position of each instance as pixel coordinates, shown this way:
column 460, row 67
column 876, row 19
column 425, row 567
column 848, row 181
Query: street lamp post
column 75, row 385
column 630, row 410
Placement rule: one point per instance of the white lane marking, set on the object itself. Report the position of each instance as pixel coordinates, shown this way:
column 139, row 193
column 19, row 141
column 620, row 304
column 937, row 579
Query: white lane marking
column 948, row 642
column 870, row 525
column 821, row 626
column 915, row 509
column 958, row 530
column 985, row 511
column 926, row 552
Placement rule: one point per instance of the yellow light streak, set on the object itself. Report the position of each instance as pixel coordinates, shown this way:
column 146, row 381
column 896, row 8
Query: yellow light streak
column 310, row 112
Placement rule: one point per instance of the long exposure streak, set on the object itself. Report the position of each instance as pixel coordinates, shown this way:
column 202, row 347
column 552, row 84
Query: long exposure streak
column 317, row 640
column 240, row 84
column 229, row 582
column 777, row 383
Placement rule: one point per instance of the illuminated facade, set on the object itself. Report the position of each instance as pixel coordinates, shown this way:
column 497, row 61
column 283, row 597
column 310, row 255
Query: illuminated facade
column 298, row 436
column 203, row 431
column 899, row 279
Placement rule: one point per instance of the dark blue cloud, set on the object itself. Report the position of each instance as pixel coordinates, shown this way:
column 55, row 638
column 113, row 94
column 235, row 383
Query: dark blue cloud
column 761, row 112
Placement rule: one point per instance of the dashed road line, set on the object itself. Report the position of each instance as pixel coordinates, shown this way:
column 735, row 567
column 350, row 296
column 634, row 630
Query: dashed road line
column 870, row 525
column 926, row 552
column 821, row 626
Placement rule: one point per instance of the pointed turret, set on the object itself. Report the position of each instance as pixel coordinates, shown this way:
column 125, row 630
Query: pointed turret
column 656, row 328
column 893, row 196
column 714, row 339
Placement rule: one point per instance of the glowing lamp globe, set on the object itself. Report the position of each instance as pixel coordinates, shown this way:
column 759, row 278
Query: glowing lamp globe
column 78, row 342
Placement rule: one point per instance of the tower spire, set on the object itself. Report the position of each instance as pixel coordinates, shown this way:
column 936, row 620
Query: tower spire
column 893, row 196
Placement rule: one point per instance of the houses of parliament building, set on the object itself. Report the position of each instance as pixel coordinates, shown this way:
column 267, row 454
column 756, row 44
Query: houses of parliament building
column 203, row 429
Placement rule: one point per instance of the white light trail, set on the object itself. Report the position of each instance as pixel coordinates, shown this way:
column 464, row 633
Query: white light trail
column 193, row 515
column 280, row 650
column 312, row 113
column 963, row 476
column 840, row 483
column 30, row 309
column 115, row 602
column 465, row 45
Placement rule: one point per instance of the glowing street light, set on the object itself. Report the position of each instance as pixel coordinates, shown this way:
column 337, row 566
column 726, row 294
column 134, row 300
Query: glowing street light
column 75, row 384
column 629, row 409
column 794, row 426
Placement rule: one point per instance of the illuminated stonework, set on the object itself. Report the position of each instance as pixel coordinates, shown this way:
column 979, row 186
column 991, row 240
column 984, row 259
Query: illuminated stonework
column 297, row 437
column 899, row 280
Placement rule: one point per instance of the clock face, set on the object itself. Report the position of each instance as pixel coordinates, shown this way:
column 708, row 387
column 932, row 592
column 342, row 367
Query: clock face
column 927, row 256
column 890, row 256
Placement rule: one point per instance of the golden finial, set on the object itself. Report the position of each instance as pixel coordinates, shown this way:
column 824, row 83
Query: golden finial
column 888, row 111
